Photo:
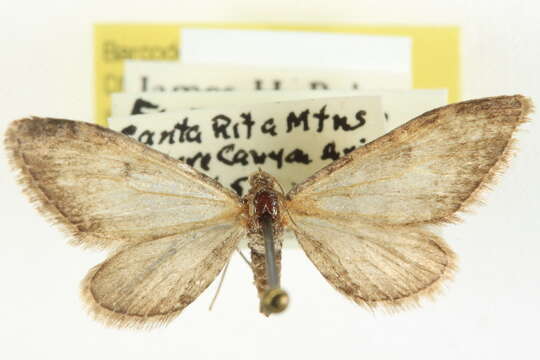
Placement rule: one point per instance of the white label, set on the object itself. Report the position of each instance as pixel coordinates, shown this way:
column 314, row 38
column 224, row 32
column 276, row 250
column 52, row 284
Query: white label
column 290, row 140
column 165, row 76
column 297, row 49
column 398, row 106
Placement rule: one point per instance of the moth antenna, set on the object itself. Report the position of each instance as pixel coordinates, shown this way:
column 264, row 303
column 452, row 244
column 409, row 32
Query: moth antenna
column 244, row 257
column 290, row 217
column 222, row 278
column 281, row 187
column 286, row 208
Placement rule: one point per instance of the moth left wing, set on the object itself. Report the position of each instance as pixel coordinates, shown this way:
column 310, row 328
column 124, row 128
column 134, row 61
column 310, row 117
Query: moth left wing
column 108, row 190
column 151, row 283
column 422, row 172
column 392, row 267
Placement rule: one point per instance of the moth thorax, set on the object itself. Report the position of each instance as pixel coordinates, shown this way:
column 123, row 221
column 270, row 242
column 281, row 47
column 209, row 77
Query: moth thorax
column 266, row 205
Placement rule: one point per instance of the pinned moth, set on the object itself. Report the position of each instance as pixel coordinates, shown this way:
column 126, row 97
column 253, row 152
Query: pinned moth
column 362, row 220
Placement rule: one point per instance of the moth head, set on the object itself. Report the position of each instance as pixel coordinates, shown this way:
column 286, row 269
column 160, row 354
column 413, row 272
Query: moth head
column 263, row 180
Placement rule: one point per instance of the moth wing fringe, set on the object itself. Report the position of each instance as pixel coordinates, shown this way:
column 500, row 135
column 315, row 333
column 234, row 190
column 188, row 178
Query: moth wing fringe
column 495, row 172
column 114, row 319
column 414, row 301
column 37, row 197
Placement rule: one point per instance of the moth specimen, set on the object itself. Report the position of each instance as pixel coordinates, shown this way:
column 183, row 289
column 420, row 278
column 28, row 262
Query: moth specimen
column 362, row 220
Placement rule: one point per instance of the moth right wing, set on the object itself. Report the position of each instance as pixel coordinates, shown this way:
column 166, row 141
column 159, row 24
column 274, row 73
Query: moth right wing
column 376, row 266
column 361, row 219
column 150, row 283
column 108, row 190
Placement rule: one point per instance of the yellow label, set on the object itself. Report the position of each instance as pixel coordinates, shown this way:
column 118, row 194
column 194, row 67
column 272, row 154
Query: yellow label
column 435, row 52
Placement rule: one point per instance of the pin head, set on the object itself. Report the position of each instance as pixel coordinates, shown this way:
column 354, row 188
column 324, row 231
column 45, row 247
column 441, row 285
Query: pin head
column 274, row 301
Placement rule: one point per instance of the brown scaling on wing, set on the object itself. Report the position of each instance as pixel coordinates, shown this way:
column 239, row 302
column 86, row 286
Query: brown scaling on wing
column 422, row 172
column 377, row 266
column 174, row 228
column 264, row 197
column 362, row 219
column 149, row 284
column 106, row 189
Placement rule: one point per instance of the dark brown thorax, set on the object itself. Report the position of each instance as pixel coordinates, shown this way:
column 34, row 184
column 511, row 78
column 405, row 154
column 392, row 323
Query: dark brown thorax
column 266, row 205
column 264, row 199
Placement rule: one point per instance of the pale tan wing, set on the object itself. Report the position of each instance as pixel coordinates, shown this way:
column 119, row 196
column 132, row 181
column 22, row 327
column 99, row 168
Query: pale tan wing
column 422, row 172
column 373, row 265
column 107, row 189
column 150, row 283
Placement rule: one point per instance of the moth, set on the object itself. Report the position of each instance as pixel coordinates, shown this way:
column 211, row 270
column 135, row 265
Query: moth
column 362, row 220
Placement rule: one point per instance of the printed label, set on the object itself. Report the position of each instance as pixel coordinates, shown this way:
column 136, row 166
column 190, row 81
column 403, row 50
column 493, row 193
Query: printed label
column 168, row 76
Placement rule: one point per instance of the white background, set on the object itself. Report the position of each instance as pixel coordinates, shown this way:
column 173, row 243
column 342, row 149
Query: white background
column 491, row 310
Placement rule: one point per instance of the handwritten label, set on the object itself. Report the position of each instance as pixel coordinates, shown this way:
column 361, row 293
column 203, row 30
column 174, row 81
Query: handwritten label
column 399, row 106
column 290, row 140
column 164, row 76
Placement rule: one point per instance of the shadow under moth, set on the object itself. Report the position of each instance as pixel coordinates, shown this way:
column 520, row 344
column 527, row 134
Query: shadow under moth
column 362, row 220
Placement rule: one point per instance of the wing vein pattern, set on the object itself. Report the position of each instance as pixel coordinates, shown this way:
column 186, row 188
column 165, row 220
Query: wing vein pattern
column 362, row 220
column 107, row 190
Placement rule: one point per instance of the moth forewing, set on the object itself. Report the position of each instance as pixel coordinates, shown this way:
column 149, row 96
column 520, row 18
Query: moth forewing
column 422, row 172
column 99, row 185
